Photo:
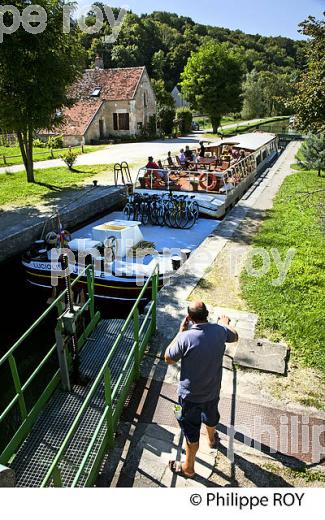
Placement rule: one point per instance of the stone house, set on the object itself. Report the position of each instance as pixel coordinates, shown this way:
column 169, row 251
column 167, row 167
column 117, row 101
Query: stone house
column 179, row 99
column 108, row 103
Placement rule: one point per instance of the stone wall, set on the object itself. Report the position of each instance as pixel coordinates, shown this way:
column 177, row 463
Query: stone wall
column 141, row 108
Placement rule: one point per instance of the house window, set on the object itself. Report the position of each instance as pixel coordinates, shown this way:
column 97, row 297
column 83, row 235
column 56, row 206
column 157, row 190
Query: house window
column 145, row 100
column 121, row 121
column 96, row 92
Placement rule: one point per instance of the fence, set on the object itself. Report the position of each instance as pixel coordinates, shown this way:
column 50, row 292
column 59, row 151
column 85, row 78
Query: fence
column 51, row 151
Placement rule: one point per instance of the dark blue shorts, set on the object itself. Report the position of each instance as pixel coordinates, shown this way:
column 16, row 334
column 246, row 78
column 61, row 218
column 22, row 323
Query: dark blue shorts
column 194, row 414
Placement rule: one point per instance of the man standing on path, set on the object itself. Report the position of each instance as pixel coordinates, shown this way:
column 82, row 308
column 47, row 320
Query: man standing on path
column 200, row 347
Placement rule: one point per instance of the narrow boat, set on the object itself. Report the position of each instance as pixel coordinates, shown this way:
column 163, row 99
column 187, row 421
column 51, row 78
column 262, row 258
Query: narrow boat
column 124, row 254
column 124, row 251
column 218, row 180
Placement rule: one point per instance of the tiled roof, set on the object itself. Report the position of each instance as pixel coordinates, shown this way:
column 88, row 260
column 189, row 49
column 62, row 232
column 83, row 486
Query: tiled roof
column 114, row 84
column 77, row 118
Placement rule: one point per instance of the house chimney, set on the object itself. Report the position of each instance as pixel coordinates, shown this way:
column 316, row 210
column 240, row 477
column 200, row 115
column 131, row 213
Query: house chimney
column 99, row 63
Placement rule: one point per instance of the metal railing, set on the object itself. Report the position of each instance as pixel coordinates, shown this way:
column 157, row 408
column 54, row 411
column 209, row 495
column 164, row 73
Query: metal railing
column 241, row 169
column 114, row 398
column 29, row 416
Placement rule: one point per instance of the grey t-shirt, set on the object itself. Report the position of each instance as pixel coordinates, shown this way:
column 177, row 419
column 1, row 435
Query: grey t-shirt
column 201, row 351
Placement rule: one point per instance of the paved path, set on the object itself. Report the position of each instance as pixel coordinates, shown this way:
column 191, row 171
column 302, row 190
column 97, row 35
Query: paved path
column 133, row 153
column 130, row 152
column 149, row 436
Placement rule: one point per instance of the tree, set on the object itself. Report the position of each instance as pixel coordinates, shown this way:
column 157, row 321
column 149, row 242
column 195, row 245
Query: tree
column 313, row 153
column 309, row 103
column 211, row 81
column 253, row 95
column 164, row 98
column 184, row 120
column 35, row 71
column 166, row 118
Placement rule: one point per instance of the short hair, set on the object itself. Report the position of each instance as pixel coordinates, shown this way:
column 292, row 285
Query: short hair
column 198, row 313
column 150, row 159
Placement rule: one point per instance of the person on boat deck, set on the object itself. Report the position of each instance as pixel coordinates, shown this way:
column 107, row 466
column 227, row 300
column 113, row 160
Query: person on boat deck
column 200, row 347
column 182, row 158
column 188, row 154
column 170, row 161
column 202, row 150
column 242, row 154
column 152, row 165
column 235, row 153
column 163, row 172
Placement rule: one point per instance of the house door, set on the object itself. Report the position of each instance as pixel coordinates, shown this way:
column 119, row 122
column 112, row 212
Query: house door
column 101, row 129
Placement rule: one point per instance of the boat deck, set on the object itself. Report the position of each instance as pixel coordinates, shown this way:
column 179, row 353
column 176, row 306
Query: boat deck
column 162, row 236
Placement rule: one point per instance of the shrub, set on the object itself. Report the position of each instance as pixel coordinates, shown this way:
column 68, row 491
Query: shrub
column 70, row 158
column 184, row 120
column 39, row 144
column 55, row 141
column 166, row 118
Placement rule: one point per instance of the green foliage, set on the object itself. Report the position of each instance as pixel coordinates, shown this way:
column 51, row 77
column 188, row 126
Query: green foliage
column 164, row 98
column 166, row 118
column 35, row 71
column 309, row 103
column 163, row 42
column 55, row 141
column 312, row 153
column 294, row 310
column 266, row 94
column 70, row 158
column 211, row 81
column 184, row 119
column 37, row 143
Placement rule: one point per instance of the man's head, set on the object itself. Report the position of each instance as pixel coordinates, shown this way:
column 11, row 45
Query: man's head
column 198, row 312
column 150, row 159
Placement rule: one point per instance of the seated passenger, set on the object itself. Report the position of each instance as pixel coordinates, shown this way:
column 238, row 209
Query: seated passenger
column 182, row 158
column 188, row 154
column 152, row 165
column 170, row 161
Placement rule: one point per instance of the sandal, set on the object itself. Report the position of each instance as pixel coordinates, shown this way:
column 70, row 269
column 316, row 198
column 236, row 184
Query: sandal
column 177, row 468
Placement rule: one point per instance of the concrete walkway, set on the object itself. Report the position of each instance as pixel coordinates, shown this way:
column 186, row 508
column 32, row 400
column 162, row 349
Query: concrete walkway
column 133, row 153
column 149, row 435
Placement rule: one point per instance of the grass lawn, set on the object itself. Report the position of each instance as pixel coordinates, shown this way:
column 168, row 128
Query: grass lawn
column 40, row 154
column 244, row 128
column 14, row 188
column 295, row 310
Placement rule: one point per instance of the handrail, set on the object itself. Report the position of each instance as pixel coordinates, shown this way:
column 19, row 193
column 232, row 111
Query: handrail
column 27, row 416
column 54, row 471
column 42, row 317
column 191, row 173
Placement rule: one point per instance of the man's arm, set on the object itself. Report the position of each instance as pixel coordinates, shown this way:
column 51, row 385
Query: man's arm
column 175, row 356
column 232, row 334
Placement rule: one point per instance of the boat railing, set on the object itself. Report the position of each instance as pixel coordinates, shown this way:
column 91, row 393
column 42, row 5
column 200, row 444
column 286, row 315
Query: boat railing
column 28, row 412
column 160, row 178
column 114, row 397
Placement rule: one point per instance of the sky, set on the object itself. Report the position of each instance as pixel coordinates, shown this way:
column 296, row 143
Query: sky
column 265, row 17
